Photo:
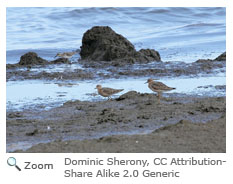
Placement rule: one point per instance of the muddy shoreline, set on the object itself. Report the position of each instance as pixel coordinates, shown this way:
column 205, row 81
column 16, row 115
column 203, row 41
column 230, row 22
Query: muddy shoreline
column 31, row 66
column 133, row 122
column 88, row 124
column 85, row 71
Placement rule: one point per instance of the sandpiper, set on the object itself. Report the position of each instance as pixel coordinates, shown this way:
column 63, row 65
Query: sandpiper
column 66, row 55
column 158, row 87
column 107, row 92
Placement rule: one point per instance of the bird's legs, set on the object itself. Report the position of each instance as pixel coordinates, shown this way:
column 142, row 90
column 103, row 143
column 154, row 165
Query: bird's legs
column 159, row 94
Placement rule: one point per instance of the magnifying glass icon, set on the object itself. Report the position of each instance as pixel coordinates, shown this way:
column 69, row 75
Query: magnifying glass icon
column 11, row 161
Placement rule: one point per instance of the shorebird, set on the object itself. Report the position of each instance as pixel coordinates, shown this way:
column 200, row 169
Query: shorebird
column 107, row 92
column 66, row 55
column 158, row 87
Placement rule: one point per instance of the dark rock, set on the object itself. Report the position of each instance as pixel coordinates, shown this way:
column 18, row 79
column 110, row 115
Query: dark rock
column 101, row 43
column 150, row 54
column 222, row 57
column 128, row 95
column 31, row 58
column 60, row 61
column 203, row 60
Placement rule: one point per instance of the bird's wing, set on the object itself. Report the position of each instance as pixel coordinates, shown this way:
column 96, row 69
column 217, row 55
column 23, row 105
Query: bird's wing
column 160, row 86
column 70, row 53
column 110, row 90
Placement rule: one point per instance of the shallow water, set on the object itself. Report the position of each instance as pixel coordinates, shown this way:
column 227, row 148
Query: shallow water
column 179, row 34
column 45, row 95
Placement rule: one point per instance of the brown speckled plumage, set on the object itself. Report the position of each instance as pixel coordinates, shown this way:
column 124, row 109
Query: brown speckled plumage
column 158, row 87
column 66, row 54
column 107, row 92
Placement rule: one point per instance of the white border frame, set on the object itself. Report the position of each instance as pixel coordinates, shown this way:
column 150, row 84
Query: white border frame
column 190, row 175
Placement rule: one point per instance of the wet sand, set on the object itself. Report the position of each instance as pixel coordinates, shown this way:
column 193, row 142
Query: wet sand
column 134, row 122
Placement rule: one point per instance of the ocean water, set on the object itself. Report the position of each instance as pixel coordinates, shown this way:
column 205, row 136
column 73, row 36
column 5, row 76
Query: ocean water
column 179, row 34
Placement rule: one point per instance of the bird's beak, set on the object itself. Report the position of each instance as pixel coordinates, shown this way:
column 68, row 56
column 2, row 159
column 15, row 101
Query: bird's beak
column 146, row 82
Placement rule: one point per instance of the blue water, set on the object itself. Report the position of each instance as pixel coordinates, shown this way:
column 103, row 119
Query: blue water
column 179, row 34
column 46, row 95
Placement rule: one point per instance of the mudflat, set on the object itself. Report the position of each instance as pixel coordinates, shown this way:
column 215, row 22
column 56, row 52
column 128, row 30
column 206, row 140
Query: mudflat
column 133, row 122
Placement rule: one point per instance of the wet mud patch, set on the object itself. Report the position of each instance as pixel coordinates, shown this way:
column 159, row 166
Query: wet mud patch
column 77, row 71
column 182, row 137
column 131, row 113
